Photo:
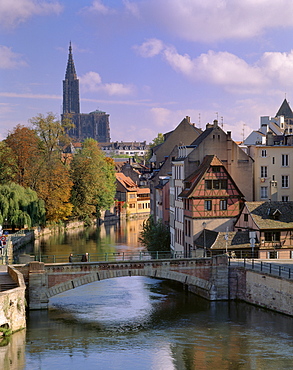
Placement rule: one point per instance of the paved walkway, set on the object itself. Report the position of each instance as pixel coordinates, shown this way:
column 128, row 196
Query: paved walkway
column 6, row 282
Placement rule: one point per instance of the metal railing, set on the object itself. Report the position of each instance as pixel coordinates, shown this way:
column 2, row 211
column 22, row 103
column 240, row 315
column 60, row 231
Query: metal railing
column 107, row 257
column 272, row 268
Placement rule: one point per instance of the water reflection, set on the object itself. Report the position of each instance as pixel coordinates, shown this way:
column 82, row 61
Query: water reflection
column 143, row 323
column 12, row 356
column 106, row 238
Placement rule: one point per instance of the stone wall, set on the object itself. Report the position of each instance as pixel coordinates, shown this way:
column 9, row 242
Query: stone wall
column 12, row 304
column 272, row 292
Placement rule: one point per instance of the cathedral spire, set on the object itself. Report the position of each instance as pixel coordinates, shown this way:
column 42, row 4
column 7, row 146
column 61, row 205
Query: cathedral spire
column 70, row 87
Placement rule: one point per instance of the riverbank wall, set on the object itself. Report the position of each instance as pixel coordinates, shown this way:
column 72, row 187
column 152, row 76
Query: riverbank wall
column 261, row 289
column 13, row 303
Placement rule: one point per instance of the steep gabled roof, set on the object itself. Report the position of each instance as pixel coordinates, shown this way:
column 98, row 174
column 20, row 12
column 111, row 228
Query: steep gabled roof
column 222, row 240
column 285, row 110
column 126, row 182
column 196, row 176
column 202, row 136
column 264, row 214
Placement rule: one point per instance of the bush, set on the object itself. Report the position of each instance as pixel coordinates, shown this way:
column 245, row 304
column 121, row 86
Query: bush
column 155, row 235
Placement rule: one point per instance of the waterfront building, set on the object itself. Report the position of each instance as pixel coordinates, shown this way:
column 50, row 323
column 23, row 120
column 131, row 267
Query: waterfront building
column 272, row 223
column 86, row 125
column 271, row 148
column 161, row 159
column 131, row 200
column 213, row 141
column 211, row 201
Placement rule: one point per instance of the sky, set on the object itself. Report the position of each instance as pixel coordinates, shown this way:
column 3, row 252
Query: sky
column 148, row 63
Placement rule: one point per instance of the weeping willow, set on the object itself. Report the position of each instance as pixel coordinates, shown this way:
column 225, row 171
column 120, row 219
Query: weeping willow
column 20, row 207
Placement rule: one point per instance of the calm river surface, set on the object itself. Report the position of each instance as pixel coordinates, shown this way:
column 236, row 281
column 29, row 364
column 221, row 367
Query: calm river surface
column 138, row 323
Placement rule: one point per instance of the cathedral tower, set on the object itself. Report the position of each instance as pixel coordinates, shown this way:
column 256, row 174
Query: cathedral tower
column 86, row 125
column 70, row 87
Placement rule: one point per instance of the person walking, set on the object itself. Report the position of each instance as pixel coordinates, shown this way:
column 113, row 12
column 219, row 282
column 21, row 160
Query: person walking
column 85, row 257
column 70, row 258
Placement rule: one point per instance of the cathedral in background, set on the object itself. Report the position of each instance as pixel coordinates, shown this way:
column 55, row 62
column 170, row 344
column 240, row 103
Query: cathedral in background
column 87, row 125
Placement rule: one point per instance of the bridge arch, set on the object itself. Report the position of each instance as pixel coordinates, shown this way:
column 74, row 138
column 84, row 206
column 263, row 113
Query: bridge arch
column 207, row 277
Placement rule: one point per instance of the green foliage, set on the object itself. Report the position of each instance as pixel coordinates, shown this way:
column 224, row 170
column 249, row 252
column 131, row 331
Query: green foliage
column 20, row 206
column 94, row 181
column 51, row 132
column 155, row 235
column 8, row 166
column 157, row 140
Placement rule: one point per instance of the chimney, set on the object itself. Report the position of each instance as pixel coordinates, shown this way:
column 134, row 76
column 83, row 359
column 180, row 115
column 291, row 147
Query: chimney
column 187, row 119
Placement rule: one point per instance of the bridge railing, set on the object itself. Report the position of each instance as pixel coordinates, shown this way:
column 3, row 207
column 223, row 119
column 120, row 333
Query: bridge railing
column 274, row 268
column 108, row 257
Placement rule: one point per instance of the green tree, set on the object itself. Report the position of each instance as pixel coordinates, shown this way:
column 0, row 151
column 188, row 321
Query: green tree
column 8, row 166
column 51, row 132
column 156, row 141
column 20, row 206
column 155, row 235
column 94, row 181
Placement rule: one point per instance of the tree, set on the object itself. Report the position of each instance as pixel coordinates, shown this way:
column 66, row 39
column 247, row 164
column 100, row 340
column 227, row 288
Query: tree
column 54, row 187
column 156, row 141
column 51, row 132
column 8, row 166
column 20, row 206
column 155, row 235
column 94, row 181
column 25, row 154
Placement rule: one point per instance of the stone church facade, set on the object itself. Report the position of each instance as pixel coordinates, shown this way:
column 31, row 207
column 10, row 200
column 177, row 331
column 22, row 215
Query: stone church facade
column 86, row 125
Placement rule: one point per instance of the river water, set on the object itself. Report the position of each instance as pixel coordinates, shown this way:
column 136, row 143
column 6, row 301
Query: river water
column 139, row 323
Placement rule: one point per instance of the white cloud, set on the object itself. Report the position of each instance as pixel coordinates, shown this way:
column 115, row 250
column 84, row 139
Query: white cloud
column 161, row 116
column 92, row 82
column 29, row 95
column 212, row 20
column 98, row 7
column 278, row 67
column 132, row 8
column 150, row 48
column 9, row 59
column 14, row 12
column 226, row 69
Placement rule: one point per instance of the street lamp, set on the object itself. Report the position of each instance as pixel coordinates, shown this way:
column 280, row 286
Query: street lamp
column 204, row 224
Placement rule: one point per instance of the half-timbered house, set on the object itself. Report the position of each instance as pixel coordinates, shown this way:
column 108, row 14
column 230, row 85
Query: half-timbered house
column 272, row 223
column 212, row 201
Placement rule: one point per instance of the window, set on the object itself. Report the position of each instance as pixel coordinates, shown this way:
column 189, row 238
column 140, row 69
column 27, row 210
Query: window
column 264, row 192
column 223, row 205
column 263, row 171
column 285, row 160
column 216, row 184
column 245, row 217
column 216, row 169
column 263, row 153
column 285, row 181
column 208, row 205
column 272, row 236
column 285, row 198
column 273, row 160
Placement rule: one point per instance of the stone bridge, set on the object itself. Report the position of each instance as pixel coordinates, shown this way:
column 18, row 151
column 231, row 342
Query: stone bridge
column 207, row 277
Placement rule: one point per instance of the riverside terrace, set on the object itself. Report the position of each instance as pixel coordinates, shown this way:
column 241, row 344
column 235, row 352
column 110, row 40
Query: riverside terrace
column 214, row 278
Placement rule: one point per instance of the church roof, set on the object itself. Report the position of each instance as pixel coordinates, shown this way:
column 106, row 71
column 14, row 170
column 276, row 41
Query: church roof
column 285, row 110
column 70, row 69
